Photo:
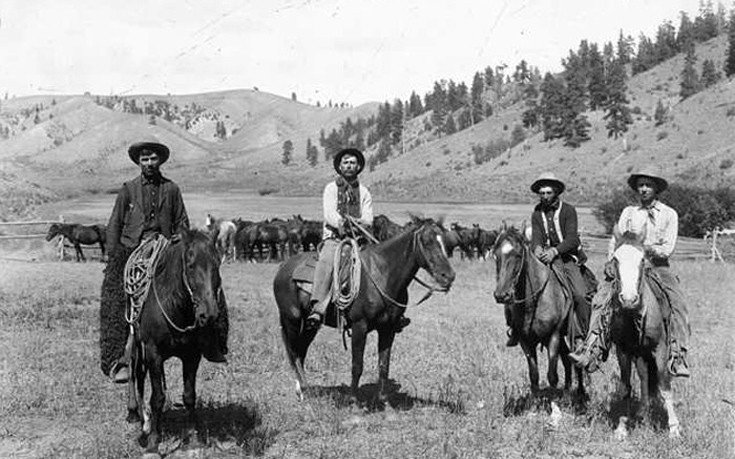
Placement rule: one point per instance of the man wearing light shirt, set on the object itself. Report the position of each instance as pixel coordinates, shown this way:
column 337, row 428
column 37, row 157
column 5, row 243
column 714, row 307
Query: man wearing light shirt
column 660, row 224
column 344, row 197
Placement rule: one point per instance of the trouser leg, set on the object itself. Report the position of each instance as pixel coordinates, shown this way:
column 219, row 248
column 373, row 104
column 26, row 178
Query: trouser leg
column 581, row 303
column 322, row 290
column 680, row 329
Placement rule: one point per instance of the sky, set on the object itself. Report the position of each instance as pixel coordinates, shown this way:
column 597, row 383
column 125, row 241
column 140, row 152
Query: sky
column 351, row 51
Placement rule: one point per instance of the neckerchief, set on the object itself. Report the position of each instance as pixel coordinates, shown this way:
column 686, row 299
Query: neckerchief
column 348, row 197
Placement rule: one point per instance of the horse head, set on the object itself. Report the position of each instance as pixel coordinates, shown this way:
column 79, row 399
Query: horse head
column 432, row 254
column 53, row 231
column 201, row 275
column 509, row 252
column 628, row 259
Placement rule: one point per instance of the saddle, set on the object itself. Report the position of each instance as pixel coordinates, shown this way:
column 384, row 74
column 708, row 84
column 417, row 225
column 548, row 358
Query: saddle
column 574, row 326
column 139, row 271
column 345, row 280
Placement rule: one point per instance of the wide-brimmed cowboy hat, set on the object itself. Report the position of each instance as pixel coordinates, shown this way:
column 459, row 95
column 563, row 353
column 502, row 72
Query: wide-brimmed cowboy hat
column 648, row 172
column 137, row 148
column 548, row 179
column 349, row 151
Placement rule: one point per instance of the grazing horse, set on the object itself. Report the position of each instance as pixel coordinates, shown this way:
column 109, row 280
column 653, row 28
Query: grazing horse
column 310, row 234
column 536, row 298
column 387, row 269
column 180, row 308
column 638, row 329
column 223, row 231
column 79, row 234
column 273, row 234
column 467, row 239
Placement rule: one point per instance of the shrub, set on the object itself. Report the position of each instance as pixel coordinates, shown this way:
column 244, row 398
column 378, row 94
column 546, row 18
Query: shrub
column 730, row 112
column 662, row 135
column 726, row 163
column 636, row 110
column 267, row 190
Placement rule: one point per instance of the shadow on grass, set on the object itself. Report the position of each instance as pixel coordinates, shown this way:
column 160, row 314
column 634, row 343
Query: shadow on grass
column 446, row 399
column 518, row 404
column 234, row 424
column 654, row 416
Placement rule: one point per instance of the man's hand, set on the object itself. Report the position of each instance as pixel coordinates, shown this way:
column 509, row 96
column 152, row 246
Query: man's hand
column 610, row 270
column 548, row 255
column 176, row 237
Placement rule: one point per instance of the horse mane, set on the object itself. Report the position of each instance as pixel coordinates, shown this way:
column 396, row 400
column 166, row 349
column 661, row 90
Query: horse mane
column 512, row 233
column 629, row 238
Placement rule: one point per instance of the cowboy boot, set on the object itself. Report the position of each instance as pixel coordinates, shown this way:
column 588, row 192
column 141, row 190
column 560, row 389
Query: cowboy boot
column 315, row 318
column 588, row 355
column 677, row 363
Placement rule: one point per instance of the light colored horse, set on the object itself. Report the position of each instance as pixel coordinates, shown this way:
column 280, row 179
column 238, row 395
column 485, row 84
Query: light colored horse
column 223, row 232
column 639, row 332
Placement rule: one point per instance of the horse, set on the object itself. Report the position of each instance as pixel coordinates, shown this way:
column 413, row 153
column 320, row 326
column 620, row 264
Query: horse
column 223, row 231
column 175, row 321
column 639, row 332
column 467, row 239
column 536, row 298
column 79, row 234
column 387, row 269
column 275, row 235
column 310, row 234
column 485, row 241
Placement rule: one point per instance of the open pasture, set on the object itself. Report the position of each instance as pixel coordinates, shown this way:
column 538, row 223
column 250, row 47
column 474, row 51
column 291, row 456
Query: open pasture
column 458, row 392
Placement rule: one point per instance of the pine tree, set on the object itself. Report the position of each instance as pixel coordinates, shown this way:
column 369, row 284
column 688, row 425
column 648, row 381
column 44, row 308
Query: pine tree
column 730, row 57
column 551, row 107
column 414, row 105
column 710, row 75
column 311, row 153
column 596, row 79
column 530, row 117
column 287, row 152
column 689, row 83
column 686, row 31
column 624, row 48
column 476, row 92
column 617, row 112
column 396, row 122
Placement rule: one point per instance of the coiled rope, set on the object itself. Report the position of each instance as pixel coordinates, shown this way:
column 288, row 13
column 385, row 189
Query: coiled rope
column 139, row 271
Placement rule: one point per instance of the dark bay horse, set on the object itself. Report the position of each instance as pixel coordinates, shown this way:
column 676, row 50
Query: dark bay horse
column 387, row 270
column 639, row 332
column 79, row 234
column 175, row 321
column 537, row 302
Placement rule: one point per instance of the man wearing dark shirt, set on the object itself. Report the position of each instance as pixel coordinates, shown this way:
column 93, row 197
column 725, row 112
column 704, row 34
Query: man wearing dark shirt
column 555, row 241
column 146, row 206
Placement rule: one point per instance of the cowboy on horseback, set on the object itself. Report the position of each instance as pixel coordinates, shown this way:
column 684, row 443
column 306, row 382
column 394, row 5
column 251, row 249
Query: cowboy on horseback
column 555, row 241
column 146, row 207
column 659, row 223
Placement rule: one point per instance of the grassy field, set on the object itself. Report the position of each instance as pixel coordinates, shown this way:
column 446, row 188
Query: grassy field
column 458, row 392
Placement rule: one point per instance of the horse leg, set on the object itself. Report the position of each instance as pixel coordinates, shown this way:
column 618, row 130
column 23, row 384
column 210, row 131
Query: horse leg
column 359, row 334
column 530, row 352
column 190, row 367
column 297, row 344
column 102, row 250
column 553, row 352
column 157, row 400
column 78, row 249
column 624, row 362
column 667, row 397
column 642, row 364
column 385, row 344
column 136, row 386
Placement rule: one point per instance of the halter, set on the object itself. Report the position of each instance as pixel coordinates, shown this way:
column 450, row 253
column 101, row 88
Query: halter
column 431, row 289
column 191, row 297
column 534, row 294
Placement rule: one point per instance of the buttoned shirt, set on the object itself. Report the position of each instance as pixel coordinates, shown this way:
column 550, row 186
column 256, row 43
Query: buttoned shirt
column 659, row 223
column 151, row 194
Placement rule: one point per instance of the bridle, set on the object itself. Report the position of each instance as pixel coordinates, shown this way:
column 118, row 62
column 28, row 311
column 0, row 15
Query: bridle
column 517, row 278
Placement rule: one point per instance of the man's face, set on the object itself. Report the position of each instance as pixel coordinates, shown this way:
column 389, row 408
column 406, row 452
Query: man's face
column 149, row 163
column 646, row 188
column 547, row 194
column 348, row 166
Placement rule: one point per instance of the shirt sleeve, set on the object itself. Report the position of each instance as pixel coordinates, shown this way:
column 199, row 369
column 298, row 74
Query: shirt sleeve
column 366, row 207
column 181, row 219
column 569, row 229
column 117, row 218
column 666, row 242
column 329, row 202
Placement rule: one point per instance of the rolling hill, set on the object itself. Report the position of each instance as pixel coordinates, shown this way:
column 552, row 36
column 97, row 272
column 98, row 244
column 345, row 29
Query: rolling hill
column 74, row 145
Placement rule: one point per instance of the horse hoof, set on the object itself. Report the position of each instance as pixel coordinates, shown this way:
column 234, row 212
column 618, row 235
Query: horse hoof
column 133, row 417
column 151, row 456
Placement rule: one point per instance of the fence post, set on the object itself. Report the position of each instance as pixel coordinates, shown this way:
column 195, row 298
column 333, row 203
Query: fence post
column 61, row 241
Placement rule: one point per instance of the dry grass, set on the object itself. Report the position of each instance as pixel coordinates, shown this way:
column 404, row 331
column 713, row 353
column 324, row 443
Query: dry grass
column 458, row 392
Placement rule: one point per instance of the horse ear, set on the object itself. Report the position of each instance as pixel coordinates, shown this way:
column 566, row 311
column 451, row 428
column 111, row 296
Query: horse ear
column 503, row 226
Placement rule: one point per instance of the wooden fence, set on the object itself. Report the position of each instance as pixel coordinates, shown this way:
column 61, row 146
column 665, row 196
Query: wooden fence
column 60, row 240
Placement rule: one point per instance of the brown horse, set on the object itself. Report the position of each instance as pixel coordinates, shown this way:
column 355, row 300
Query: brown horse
column 79, row 234
column 387, row 270
column 176, row 320
column 384, row 228
column 639, row 332
column 536, row 299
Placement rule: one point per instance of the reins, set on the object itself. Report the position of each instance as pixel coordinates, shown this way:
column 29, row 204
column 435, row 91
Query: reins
column 191, row 296
column 370, row 237
column 534, row 294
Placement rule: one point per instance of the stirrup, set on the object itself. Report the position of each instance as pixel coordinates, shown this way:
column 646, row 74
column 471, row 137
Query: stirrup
column 313, row 321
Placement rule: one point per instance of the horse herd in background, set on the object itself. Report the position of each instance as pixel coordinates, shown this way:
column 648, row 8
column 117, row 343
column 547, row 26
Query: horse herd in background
column 277, row 239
